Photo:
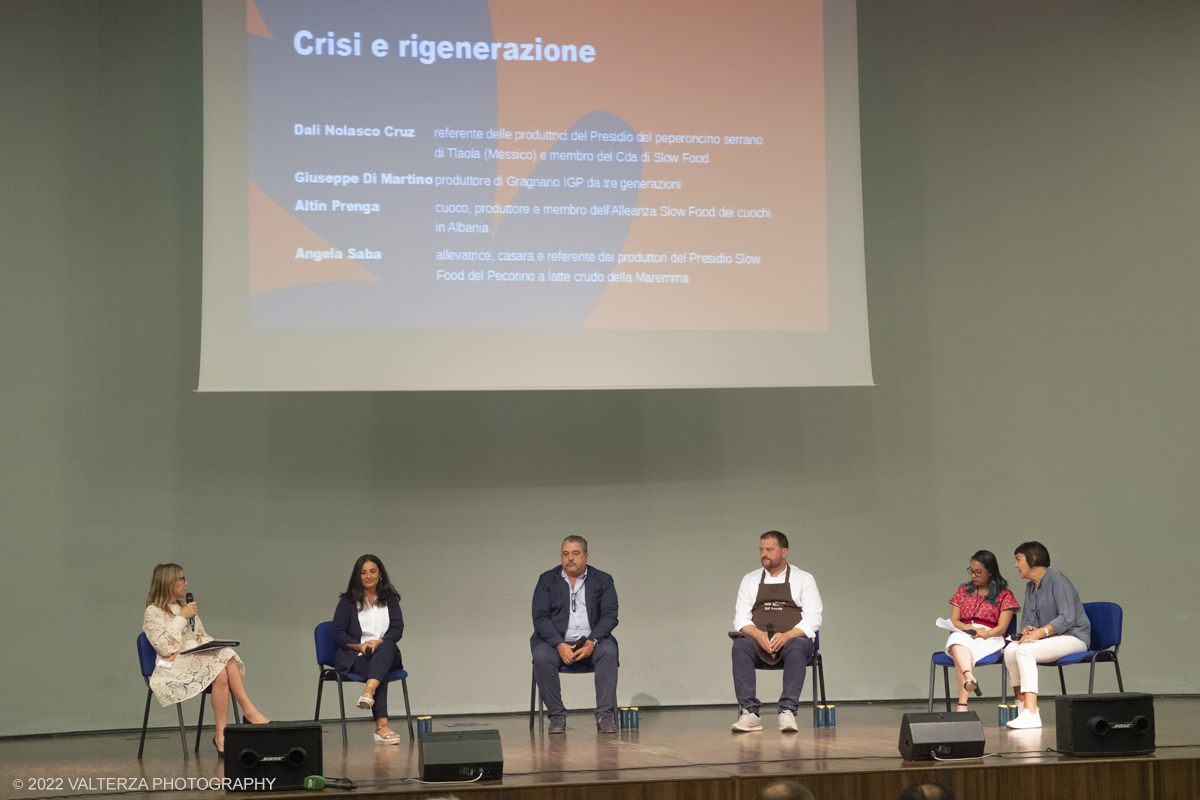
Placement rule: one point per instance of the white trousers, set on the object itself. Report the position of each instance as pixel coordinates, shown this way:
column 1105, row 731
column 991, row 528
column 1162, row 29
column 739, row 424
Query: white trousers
column 1022, row 659
column 979, row 648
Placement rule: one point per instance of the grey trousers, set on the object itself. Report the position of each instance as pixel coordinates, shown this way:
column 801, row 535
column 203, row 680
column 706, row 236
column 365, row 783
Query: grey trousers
column 796, row 654
column 546, row 662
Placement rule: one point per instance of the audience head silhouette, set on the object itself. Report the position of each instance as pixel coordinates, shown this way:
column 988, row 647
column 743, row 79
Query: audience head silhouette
column 785, row 790
column 927, row 791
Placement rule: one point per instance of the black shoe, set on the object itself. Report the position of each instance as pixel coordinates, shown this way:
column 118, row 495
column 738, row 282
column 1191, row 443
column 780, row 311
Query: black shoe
column 606, row 724
column 558, row 725
column 220, row 752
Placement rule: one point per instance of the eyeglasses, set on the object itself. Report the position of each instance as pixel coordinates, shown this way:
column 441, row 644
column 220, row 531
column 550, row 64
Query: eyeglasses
column 975, row 573
column 574, row 606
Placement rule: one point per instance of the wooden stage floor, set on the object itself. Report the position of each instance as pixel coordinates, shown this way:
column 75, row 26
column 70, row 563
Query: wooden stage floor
column 676, row 754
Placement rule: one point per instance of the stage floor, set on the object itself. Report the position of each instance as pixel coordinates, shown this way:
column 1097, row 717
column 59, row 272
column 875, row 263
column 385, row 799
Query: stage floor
column 689, row 750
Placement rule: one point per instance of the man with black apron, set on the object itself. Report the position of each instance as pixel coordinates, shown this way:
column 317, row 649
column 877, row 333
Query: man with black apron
column 777, row 616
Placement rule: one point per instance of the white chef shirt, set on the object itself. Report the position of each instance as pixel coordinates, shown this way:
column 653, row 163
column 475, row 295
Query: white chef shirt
column 804, row 594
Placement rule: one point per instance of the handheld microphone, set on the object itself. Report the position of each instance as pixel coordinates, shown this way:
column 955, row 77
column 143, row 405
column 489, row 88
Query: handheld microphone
column 317, row 783
column 192, row 621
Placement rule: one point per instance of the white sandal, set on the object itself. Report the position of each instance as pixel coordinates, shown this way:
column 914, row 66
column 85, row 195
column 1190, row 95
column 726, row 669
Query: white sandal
column 365, row 702
column 391, row 737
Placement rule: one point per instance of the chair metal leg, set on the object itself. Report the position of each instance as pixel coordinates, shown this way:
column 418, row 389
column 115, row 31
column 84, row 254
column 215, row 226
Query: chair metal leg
column 1092, row 676
column 946, row 680
column 237, row 715
column 816, row 714
column 320, row 686
column 532, row 701
column 1003, row 683
column 1062, row 680
column 182, row 732
column 932, row 677
column 407, row 710
column 821, row 673
column 1117, row 667
column 342, row 709
column 145, row 720
column 200, row 722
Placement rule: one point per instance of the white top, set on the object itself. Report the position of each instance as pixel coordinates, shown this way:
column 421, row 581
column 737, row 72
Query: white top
column 804, row 593
column 578, row 624
column 374, row 621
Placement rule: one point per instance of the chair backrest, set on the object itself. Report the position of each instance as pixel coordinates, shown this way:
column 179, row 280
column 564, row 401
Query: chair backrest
column 146, row 655
column 326, row 647
column 1106, row 619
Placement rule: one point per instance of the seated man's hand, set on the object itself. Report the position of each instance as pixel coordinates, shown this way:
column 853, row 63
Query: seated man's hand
column 588, row 648
column 567, row 655
column 780, row 639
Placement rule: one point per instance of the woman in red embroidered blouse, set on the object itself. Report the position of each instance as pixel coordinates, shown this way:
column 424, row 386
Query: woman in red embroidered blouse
column 981, row 610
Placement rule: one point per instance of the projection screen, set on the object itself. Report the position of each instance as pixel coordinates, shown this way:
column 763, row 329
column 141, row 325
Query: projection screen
column 531, row 194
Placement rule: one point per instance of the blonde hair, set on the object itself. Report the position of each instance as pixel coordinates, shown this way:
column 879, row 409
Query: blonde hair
column 162, row 584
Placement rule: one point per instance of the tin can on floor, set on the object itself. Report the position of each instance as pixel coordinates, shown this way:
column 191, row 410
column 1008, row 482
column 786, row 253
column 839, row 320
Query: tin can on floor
column 633, row 718
column 424, row 725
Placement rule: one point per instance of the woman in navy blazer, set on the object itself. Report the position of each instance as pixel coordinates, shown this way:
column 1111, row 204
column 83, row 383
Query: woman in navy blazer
column 366, row 627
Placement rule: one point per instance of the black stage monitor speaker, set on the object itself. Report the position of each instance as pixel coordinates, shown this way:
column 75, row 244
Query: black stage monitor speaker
column 460, row 755
column 925, row 736
column 1105, row 724
column 281, row 753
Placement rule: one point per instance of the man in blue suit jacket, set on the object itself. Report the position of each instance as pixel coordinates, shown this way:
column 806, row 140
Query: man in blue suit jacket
column 574, row 613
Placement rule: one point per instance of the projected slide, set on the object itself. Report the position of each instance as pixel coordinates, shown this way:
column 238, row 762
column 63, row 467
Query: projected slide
column 536, row 165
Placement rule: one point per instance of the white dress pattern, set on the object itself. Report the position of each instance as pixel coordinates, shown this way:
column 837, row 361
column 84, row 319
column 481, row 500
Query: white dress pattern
column 189, row 674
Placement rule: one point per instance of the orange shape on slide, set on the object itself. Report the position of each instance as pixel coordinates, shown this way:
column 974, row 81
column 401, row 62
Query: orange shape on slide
column 275, row 235
column 254, row 21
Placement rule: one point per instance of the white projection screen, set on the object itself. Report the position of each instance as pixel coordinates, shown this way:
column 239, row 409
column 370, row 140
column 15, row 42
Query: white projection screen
column 531, row 194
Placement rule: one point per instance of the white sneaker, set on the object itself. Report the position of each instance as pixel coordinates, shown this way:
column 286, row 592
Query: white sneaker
column 787, row 722
column 747, row 722
column 1026, row 719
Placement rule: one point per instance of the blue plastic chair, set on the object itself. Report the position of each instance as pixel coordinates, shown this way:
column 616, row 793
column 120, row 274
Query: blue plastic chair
column 537, row 702
column 146, row 660
column 1107, row 620
column 940, row 659
column 817, row 663
column 326, row 651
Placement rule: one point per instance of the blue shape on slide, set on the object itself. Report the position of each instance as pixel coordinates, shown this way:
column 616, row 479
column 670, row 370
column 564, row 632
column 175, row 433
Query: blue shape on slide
column 288, row 89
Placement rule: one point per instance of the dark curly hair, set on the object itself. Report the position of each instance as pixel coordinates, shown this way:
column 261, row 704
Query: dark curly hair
column 384, row 591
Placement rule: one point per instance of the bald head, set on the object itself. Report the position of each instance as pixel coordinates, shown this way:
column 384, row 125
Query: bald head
column 785, row 790
column 927, row 791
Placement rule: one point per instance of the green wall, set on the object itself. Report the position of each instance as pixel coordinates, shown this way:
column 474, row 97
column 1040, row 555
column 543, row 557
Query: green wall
column 1032, row 195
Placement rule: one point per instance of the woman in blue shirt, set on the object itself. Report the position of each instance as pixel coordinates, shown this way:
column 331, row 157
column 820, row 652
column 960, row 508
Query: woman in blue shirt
column 1054, row 625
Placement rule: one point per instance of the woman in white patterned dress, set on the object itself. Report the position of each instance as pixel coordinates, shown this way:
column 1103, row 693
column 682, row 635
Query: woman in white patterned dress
column 178, row 676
